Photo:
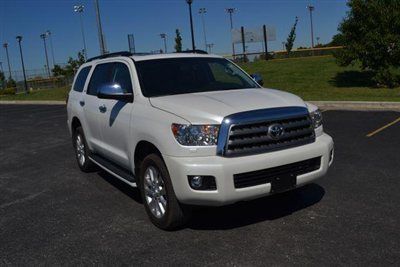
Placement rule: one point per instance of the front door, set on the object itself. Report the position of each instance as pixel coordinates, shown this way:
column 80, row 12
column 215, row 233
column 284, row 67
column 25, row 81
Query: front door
column 92, row 130
column 116, row 121
column 92, row 107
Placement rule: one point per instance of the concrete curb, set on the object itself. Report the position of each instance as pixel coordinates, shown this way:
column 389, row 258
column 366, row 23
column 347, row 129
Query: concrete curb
column 326, row 105
column 31, row 102
column 357, row 105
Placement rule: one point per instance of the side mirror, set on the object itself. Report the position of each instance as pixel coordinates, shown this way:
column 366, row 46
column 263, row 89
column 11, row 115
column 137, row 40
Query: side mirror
column 114, row 91
column 258, row 78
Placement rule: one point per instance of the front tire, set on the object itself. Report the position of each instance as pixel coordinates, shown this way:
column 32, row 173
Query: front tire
column 158, row 195
column 82, row 151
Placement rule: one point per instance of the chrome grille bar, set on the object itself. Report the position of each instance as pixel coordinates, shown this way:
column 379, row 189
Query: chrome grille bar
column 246, row 133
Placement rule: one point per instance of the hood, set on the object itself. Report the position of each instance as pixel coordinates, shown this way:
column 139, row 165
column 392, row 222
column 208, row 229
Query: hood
column 212, row 107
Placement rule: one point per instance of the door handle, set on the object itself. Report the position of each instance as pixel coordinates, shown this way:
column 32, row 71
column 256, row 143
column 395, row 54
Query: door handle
column 82, row 103
column 103, row 108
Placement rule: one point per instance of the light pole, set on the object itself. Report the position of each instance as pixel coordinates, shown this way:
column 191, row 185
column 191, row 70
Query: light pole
column 317, row 40
column 131, row 43
column 19, row 39
column 48, row 34
column 209, row 46
column 203, row 11
column 79, row 9
column 102, row 41
column 311, row 9
column 230, row 11
column 164, row 37
column 189, row 2
column 5, row 45
column 2, row 71
column 43, row 36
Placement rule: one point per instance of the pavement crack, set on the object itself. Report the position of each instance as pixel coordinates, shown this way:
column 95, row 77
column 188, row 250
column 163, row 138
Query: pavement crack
column 21, row 200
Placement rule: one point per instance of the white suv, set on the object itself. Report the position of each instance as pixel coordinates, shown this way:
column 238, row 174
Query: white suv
column 192, row 129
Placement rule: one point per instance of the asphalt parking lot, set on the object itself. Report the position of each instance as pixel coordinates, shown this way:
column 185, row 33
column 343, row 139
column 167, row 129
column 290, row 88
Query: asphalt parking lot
column 51, row 213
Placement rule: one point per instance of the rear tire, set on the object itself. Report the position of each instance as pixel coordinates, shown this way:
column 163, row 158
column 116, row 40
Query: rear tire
column 82, row 151
column 158, row 195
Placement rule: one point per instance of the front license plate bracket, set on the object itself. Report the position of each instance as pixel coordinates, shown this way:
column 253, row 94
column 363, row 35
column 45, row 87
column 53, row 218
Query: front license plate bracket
column 283, row 183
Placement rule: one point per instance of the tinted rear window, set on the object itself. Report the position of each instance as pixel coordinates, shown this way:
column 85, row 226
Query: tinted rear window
column 81, row 79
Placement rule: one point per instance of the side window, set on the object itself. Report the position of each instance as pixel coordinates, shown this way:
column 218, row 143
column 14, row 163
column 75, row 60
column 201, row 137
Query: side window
column 101, row 75
column 81, row 79
column 122, row 76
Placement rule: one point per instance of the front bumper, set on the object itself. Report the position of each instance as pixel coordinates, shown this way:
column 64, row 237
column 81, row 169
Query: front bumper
column 223, row 170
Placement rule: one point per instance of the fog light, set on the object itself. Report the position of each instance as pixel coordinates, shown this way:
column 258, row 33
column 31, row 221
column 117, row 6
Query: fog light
column 331, row 155
column 202, row 182
column 196, row 182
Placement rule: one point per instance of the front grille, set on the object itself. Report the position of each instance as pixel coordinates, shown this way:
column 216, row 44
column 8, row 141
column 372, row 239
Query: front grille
column 253, row 138
column 267, row 175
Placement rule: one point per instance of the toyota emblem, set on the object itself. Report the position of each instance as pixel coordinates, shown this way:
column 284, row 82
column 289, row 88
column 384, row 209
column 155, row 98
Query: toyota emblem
column 275, row 131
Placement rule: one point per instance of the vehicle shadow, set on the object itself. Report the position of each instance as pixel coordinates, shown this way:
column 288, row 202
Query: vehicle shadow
column 115, row 111
column 238, row 214
column 250, row 212
column 131, row 192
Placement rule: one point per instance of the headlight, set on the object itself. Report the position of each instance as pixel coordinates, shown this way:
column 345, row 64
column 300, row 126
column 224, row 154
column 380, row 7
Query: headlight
column 195, row 135
column 316, row 117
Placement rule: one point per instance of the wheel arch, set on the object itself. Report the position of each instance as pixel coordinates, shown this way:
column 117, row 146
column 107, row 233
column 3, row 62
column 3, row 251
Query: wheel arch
column 144, row 148
column 75, row 123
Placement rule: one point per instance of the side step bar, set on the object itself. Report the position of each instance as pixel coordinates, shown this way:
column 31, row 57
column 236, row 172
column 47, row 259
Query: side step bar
column 115, row 170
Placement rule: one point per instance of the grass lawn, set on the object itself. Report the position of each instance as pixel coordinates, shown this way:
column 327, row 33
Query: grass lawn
column 312, row 78
column 48, row 94
column 320, row 78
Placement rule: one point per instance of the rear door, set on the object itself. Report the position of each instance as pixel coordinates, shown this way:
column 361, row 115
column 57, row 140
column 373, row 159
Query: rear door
column 76, row 95
column 116, row 118
column 92, row 107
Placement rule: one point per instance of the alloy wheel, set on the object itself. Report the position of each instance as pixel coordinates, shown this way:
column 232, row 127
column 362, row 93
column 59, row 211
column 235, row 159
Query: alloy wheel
column 80, row 150
column 154, row 191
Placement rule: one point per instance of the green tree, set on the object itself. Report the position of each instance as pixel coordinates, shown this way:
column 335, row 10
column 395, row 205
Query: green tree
column 291, row 37
column 371, row 36
column 71, row 67
column 11, row 83
column 337, row 40
column 58, row 71
column 74, row 64
column 178, row 41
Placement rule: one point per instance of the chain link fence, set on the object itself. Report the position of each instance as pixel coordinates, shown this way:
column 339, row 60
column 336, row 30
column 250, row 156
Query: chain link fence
column 307, row 52
column 37, row 79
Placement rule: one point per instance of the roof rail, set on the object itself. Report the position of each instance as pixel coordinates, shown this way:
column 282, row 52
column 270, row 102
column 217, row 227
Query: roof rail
column 142, row 54
column 196, row 51
column 116, row 54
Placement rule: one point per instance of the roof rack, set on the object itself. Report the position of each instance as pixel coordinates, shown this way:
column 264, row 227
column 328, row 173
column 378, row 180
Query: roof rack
column 116, row 54
column 196, row 51
column 129, row 54
column 142, row 54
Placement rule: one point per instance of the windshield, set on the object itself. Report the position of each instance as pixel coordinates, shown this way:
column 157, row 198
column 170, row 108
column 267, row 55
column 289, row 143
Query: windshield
column 161, row 77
